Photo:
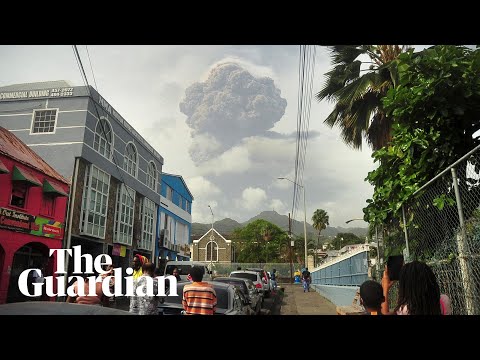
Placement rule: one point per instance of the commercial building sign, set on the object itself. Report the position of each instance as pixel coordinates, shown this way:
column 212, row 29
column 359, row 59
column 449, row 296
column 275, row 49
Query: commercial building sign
column 31, row 94
column 35, row 225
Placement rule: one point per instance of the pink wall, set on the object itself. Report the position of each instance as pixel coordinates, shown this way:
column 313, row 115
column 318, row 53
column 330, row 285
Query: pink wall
column 11, row 241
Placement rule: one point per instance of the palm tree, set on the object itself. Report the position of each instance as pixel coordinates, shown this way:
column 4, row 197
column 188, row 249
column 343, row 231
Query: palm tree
column 320, row 221
column 358, row 108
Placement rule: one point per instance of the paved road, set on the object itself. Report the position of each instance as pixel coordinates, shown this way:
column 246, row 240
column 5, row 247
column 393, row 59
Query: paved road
column 297, row 302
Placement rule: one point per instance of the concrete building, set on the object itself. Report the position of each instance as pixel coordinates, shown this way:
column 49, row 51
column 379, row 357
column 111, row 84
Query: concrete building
column 174, row 220
column 115, row 174
column 212, row 247
column 33, row 203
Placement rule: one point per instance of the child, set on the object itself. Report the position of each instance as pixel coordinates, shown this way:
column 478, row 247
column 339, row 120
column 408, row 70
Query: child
column 371, row 297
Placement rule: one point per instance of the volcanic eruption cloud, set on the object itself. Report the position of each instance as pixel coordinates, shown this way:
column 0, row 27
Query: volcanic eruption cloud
column 229, row 106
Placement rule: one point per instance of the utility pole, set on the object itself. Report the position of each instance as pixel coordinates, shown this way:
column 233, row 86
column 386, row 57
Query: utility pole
column 291, row 247
column 211, row 244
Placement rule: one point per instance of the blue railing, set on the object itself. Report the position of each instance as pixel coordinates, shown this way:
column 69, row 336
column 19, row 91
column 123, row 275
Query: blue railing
column 346, row 270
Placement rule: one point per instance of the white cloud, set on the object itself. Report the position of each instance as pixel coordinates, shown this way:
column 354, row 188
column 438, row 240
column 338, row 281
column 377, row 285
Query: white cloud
column 201, row 187
column 235, row 160
column 277, row 205
column 253, row 198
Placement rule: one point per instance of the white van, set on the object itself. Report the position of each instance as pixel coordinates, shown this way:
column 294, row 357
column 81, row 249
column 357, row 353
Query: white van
column 184, row 269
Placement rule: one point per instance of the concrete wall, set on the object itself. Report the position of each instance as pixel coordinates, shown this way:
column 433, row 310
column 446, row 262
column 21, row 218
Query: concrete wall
column 339, row 295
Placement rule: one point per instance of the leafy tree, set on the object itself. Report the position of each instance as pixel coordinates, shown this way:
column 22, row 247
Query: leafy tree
column 260, row 241
column 436, row 110
column 357, row 92
column 343, row 239
column 320, row 220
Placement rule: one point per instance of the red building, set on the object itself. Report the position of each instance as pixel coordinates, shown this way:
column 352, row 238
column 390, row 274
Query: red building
column 33, row 201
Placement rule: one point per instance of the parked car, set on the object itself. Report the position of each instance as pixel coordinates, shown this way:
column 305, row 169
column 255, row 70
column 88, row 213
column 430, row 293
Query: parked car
column 248, row 289
column 56, row 308
column 184, row 269
column 265, row 280
column 254, row 276
column 230, row 301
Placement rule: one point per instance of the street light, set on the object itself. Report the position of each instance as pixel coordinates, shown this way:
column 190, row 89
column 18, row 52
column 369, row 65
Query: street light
column 304, row 214
column 211, row 239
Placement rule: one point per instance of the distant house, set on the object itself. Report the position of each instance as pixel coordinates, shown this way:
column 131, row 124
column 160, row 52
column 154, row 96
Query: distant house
column 212, row 246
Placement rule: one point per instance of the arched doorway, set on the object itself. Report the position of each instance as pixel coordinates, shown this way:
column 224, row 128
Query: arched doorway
column 31, row 255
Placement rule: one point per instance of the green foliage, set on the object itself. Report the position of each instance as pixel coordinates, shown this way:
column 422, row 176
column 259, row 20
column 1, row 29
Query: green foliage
column 320, row 220
column 348, row 239
column 260, row 241
column 357, row 92
column 436, row 109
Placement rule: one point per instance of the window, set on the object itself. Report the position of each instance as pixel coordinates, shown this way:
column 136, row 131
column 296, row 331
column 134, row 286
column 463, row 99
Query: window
column 102, row 141
column 188, row 207
column 19, row 194
column 130, row 160
column 152, row 176
column 48, row 204
column 44, row 121
column 211, row 251
column 125, row 210
column 169, row 193
column 149, row 213
column 95, row 202
column 181, row 234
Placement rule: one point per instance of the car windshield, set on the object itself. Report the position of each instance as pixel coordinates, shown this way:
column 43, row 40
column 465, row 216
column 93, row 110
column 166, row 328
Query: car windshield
column 249, row 276
column 182, row 269
column 222, row 297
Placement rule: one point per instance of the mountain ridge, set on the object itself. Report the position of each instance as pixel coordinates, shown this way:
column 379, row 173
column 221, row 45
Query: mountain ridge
column 227, row 226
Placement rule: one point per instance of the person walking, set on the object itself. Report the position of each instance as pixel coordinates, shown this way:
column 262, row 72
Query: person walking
column 306, row 280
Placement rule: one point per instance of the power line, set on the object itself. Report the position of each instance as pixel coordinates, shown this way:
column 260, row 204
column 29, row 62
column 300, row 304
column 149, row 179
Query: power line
column 85, row 80
column 91, row 68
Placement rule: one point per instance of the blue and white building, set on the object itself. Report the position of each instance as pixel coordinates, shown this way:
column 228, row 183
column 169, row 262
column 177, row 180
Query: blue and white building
column 174, row 220
column 115, row 173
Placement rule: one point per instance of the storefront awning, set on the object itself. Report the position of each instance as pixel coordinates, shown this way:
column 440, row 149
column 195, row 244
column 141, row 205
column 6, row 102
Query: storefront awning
column 53, row 188
column 21, row 174
column 3, row 168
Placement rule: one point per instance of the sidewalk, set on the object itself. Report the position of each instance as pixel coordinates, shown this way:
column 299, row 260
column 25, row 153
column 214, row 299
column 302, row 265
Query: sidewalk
column 297, row 302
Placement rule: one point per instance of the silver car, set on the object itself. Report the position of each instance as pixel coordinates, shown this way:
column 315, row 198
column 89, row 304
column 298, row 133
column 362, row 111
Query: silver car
column 254, row 276
column 248, row 289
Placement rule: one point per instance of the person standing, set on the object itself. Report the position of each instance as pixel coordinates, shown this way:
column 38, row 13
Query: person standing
column 418, row 292
column 137, row 263
column 148, row 305
column 199, row 298
column 273, row 277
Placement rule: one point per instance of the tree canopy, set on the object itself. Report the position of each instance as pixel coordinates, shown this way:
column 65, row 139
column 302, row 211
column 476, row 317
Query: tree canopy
column 436, row 110
column 357, row 92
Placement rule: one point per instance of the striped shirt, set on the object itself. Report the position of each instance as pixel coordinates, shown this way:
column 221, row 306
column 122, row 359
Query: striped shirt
column 199, row 298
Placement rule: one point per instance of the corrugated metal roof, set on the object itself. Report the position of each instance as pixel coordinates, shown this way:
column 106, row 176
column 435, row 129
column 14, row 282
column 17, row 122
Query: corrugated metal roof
column 14, row 148
column 36, row 85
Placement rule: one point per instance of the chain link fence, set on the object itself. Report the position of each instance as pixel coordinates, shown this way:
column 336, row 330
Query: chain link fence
column 440, row 225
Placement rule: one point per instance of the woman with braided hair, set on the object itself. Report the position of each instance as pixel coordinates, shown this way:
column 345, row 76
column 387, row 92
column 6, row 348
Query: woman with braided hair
column 418, row 292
